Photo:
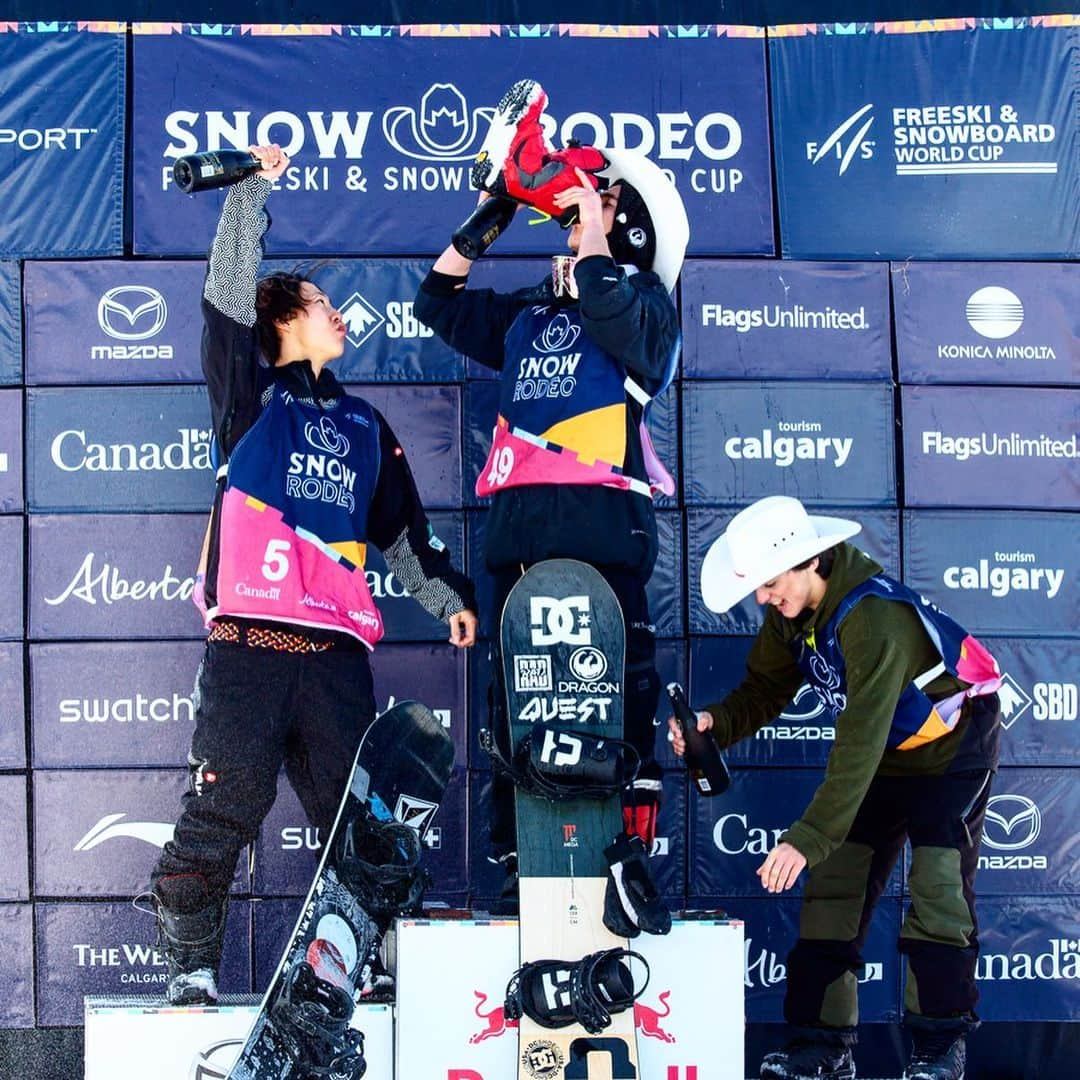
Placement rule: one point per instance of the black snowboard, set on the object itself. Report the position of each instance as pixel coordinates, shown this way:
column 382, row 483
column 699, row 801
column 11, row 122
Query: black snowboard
column 562, row 642
column 400, row 772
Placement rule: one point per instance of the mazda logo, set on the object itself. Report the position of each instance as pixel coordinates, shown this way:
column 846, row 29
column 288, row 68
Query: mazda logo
column 132, row 312
column 1012, row 822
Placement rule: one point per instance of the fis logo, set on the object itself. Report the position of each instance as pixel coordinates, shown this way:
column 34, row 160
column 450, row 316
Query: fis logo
column 560, row 621
column 361, row 319
column 845, row 152
column 442, row 129
column 1013, row 822
column 132, row 312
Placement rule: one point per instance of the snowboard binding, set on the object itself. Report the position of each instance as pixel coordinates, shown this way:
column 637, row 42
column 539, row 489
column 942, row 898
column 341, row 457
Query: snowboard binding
column 379, row 863
column 555, row 993
column 632, row 902
column 517, row 160
column 554, row 762
column 311, row 1017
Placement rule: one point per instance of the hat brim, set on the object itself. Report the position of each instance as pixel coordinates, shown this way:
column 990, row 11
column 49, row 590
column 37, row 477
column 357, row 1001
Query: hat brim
column 722, row 587
column 664, row 203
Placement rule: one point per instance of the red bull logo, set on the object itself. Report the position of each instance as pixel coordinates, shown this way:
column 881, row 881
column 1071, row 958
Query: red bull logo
column 495, row 1022
column 647, row 1019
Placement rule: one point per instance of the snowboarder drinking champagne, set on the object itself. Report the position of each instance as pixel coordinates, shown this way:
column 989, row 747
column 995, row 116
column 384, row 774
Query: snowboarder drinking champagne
column 312, row 476
column 917, row 722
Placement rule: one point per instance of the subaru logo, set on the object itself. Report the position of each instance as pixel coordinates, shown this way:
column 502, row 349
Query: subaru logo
column 1012, row 822
column 132, row 312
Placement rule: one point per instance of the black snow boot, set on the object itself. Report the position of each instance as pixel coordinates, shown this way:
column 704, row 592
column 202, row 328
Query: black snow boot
column 812, row 1053
column 632, row 902
column 939, row 1049
column 191, row 929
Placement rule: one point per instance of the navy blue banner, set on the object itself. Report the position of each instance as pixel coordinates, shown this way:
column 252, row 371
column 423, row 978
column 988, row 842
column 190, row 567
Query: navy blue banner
column 803, row 734
column 11, row 578
column 10, row 324
column 1029, row 963
column 880, row 539
column 384, row 340
column 997, row 572
column 1040, row 700
column 14, row 854
column 11, row 451
column 113, row 322
column 62, row 141
column 381, row 153
column 730, row 836
column 117, row 704
column 772, row 927
column 427, row 423
column 746, row 319
column 107, row 949
column 144, row 450
column 17, row 976
column 992, row 322
column 664, row 590
column 821, row 442
column 12, row 708
column 925, row 137
column 100, row 832
column 991, row 446
column 113, row 576
column 1029, row 836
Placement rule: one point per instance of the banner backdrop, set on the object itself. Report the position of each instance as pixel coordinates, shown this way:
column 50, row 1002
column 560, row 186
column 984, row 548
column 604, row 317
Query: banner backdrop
column 17, row 976
column 62, row 93
column 114, row 705
column 821, row 442
column 880, row 539
column 113, row 322
column 933, row 141
column 383, row 124
column 1004, row 573
column 991, row 446
column 1029, row 963
column 11, row 451
column 14, row 854
column 12, row 707
column 12, row 578
column 987, row 323
column 10, row 324
column 746, row 319
column 1040, row 700
column 144, row 450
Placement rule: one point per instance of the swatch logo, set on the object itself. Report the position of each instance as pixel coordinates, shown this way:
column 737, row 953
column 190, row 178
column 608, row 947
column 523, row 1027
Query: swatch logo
column 994, row 312
column 132, row 312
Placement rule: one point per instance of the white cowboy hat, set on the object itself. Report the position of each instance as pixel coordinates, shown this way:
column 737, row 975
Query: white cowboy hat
column 763, row 541
column 661, row 199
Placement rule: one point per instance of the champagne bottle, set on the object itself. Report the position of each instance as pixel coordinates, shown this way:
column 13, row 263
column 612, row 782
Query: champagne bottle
column 213, row 169
column 703, row 759
column 479, row 230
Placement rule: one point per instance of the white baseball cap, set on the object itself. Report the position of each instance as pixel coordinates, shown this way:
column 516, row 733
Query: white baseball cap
column 763, row 541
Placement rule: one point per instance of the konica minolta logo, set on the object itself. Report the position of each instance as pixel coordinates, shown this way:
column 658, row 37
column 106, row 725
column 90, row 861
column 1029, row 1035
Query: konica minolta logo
column 846, row 143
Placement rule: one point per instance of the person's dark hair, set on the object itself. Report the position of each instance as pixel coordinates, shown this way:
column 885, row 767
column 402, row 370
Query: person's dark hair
column 825, row 562
column 277, row 300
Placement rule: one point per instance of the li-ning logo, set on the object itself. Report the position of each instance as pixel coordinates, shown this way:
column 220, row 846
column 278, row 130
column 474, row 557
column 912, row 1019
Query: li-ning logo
column 415, row 812
column 111, row 827
column 834, row 144
column 560, row 621
column 132, row 312
column 558, row 336
column 361, row 319
column 325, row 436
column 1012, row 822
column 994, row 312
column 441, row 129
column 214, row 1062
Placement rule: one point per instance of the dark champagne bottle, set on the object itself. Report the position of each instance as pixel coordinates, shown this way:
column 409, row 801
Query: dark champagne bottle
column 213, row 169
column 703, row 759
column 479, row 230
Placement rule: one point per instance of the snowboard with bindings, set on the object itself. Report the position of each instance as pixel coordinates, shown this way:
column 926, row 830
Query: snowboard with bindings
column 562, row 641
column 369, row 874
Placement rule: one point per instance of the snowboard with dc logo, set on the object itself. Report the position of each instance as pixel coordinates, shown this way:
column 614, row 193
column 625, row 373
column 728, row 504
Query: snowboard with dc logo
column 400, row 772
column 562, row 641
